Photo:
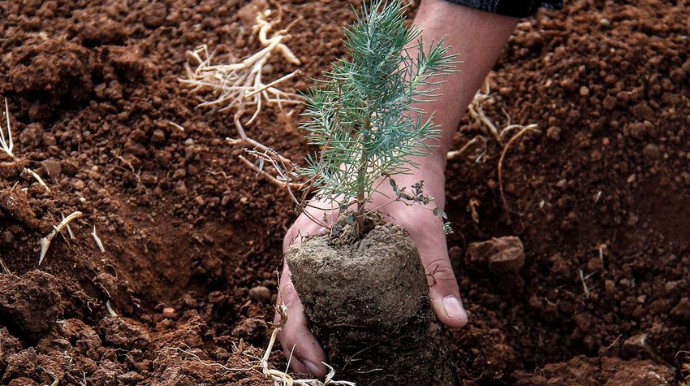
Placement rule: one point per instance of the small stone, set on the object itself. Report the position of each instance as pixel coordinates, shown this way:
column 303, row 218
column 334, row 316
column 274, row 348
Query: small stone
column 6, row 239
column 78, row 185
column 610, row 102
column 53, row 168
column 553, row 133
column 681, row 311
column 158, row 136
column 169, row 312
column 634, row 345
column 584, row 91
column 260, row 294
column 568, row 84
column 502, row 254
column 609, row 286
column 651, row 152
column 638, row 373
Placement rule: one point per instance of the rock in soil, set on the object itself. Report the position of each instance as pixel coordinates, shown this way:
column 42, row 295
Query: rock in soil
column 501, row 254
column 368, row 306
column 29, row 304
column 260, row 294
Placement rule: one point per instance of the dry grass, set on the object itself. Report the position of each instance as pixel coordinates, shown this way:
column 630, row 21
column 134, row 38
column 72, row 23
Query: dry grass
column 241, row 85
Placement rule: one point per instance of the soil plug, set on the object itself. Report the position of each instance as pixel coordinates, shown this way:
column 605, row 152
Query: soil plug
column 361, row 282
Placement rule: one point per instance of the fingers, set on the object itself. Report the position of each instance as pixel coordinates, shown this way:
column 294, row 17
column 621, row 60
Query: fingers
column 443, row 286
column 299, row 344
column 444, row 293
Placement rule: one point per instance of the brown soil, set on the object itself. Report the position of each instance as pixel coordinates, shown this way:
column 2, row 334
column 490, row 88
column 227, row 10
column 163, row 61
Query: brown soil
column 92, row 88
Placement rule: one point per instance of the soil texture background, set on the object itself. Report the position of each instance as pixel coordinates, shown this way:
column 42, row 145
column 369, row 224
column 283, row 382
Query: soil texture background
column 192, row 238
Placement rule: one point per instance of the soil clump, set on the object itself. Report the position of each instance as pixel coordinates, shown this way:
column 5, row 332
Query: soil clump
column 368, row 305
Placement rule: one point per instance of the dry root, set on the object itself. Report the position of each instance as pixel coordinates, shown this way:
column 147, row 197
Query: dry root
column 6, row 143
column 281, row 378
column 505, row 136
column 45, row 242
column 240, row 85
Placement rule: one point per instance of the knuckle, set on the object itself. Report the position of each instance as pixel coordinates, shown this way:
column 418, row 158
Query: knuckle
column 440, row 269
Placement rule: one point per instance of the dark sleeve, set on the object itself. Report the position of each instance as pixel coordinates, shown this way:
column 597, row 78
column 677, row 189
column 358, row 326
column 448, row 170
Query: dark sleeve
column 513, row 8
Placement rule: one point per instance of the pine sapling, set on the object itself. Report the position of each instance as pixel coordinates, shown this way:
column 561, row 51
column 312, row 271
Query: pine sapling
column 364, row 116
column 362, row 286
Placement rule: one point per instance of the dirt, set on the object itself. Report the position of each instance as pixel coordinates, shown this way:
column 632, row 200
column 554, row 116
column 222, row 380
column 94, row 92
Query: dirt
column 367, row 301
column 93, row 87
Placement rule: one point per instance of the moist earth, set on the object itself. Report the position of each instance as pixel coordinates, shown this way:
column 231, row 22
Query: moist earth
column 598, row 197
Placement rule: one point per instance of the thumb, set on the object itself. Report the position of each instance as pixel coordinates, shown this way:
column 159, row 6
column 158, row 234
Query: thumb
column 299, row 344
column 443, row 286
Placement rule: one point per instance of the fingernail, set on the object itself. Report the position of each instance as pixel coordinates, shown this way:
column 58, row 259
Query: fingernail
column 453, row 308
column 314, row 369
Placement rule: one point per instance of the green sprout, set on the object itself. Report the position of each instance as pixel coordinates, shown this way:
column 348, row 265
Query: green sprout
column 364, row 116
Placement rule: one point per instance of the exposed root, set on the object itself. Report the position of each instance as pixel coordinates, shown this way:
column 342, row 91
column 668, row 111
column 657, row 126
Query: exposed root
column 69, row 230
column 281, row 378
column 5, row 270
column 523, row 130
column 239, row 85
column 501, row 135
column 110, row 309
column 45, row 242
column 476, row 140
column 38, row 179
column 6, row 143
column 98, row 240
column 285, row 169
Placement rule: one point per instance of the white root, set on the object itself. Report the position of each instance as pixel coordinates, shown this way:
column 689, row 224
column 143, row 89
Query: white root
column 281, row 378
column 6, row 143
column 38, row 179
column 176, row 125
column 239, row 85
column 98, row 240
column 45, row 242
column 110, row 309
column 69, row 230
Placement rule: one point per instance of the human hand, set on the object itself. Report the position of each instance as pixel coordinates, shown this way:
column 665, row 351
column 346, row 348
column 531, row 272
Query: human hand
column 426, row 231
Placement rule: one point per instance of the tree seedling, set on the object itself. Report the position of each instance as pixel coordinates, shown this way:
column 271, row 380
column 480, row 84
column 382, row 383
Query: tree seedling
column 365, row 116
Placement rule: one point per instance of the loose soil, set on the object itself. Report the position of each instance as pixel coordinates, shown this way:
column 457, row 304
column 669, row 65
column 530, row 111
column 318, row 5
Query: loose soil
column 599, row 199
